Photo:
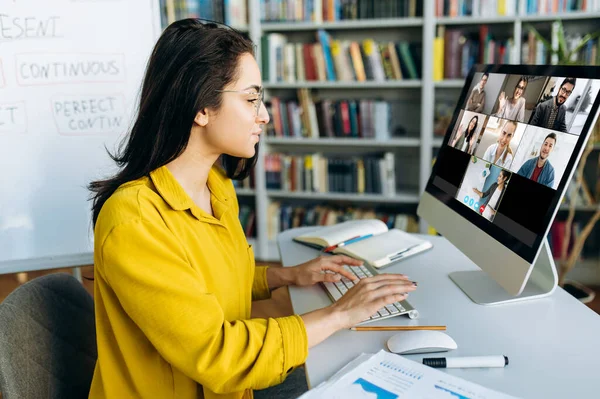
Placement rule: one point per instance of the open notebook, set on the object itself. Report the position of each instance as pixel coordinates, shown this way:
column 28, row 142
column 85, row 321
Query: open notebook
column 368, row 239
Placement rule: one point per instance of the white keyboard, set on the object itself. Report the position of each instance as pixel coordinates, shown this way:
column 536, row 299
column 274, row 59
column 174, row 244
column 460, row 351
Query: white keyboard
column 336, row 290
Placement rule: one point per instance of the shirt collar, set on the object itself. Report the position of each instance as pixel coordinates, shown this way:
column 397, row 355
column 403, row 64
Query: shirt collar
column 174, row 195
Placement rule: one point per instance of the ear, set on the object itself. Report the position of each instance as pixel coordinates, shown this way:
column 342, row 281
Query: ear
column 201, row 118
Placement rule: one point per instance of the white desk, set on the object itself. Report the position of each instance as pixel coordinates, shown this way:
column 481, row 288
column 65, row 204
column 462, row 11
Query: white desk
column 553, row 344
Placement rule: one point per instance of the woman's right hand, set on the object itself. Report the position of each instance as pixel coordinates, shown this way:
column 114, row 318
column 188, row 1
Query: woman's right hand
column 369, row 295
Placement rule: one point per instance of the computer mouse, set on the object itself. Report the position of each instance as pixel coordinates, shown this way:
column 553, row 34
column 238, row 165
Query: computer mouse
column 420, row 341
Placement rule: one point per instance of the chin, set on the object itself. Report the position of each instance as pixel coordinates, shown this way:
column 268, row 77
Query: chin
column 249, row 153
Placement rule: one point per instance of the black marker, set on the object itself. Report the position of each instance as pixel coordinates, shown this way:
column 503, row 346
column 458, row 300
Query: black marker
column 466, row 362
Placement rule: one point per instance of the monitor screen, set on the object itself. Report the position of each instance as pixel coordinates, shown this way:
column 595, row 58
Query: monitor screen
column 509, row 151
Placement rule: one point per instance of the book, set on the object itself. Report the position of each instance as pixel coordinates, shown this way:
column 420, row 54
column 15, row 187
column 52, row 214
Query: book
column 367, row 239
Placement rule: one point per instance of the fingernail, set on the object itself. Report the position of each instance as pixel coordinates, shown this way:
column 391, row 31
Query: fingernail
column 415, row 283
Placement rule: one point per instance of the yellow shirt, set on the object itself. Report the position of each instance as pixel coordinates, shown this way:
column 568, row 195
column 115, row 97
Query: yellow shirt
column 173, row 291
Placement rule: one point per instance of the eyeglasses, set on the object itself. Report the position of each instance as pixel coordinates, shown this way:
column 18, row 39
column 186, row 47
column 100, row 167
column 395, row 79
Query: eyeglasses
column 521, row 87
column 565, row 91
column 257, row 101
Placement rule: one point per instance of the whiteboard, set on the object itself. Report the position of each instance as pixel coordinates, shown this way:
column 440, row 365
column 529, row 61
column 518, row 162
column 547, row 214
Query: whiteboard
column 70, row 77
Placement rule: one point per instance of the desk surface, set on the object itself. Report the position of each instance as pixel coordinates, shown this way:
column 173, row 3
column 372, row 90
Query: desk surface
column 553, row 343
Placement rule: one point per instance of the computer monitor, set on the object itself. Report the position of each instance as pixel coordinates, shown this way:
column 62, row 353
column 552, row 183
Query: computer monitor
column 512, row 147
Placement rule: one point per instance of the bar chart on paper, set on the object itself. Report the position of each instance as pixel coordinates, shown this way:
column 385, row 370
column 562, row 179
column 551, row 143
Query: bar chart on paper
column 388, row 376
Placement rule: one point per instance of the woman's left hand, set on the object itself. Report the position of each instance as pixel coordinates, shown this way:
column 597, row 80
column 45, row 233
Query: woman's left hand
column 315, row 271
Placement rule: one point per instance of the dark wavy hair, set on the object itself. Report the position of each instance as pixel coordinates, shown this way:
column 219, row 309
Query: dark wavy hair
column 470, row 133
column 190, row 62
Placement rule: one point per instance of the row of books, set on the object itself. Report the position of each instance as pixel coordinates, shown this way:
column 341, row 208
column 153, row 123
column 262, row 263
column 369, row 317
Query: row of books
column 544, row 7
column 493, row 8
column 536, row 51
column 231, row 12
column 457, row 50
column 324, row 174
column 328, row 118
column 281, row 217
column 338, row 60
column 248, row 220
column 336, row 10
column 475, row 8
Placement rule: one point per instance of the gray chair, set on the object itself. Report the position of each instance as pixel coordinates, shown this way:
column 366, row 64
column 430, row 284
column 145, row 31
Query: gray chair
column 47, row 340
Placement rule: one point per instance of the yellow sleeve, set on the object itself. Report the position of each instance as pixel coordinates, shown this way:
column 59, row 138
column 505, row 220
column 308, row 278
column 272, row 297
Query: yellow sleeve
column 147, row 268
column 260, row 287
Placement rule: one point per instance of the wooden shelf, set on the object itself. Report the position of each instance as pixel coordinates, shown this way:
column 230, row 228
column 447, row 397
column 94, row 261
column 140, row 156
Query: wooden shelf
column 511, row 19
column 449, row 84
column 561, row 16
column 399, row 198
column 342, row 25
column 245, row 191
column 343, row 142
column 474, row 20
column 388, row 84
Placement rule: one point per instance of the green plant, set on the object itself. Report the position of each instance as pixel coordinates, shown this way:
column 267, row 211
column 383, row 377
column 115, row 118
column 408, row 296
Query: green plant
column 569, row 57
column 565, row 55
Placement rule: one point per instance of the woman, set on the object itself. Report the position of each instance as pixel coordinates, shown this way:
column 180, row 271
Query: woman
column 466, row 138
column 513, row 108
column 174, row 273
column 500, row 153
column 492, row 195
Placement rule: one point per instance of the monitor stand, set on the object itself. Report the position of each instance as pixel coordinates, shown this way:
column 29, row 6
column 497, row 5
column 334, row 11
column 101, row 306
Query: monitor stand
column 482, row 289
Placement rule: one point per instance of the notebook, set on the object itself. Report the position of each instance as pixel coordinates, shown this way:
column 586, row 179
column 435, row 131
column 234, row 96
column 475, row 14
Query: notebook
column 366, row 239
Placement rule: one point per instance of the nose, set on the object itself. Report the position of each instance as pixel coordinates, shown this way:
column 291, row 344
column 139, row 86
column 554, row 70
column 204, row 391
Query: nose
column 263, row 115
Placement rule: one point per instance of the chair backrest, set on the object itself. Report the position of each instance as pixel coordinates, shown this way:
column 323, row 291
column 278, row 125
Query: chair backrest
column 47, row 340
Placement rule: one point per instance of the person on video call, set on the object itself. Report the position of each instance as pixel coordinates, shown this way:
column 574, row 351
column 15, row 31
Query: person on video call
column 539, row 169
column 492, row 195
column 465, row 137
column 476, row 100
column 551, row 113
column 500, row 153
column 513, row 108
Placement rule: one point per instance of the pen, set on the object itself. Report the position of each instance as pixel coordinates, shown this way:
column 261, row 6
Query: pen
column 466, row 362
column 348, row 241
column 398, row 328
column 400, row 254
column 332, row 247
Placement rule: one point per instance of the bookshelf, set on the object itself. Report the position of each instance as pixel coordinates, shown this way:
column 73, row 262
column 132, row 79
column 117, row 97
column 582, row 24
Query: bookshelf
column 398, row 198
column 420, row 145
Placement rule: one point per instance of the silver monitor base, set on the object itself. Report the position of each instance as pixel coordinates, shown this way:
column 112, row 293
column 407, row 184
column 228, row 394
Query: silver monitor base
column 483, row 290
